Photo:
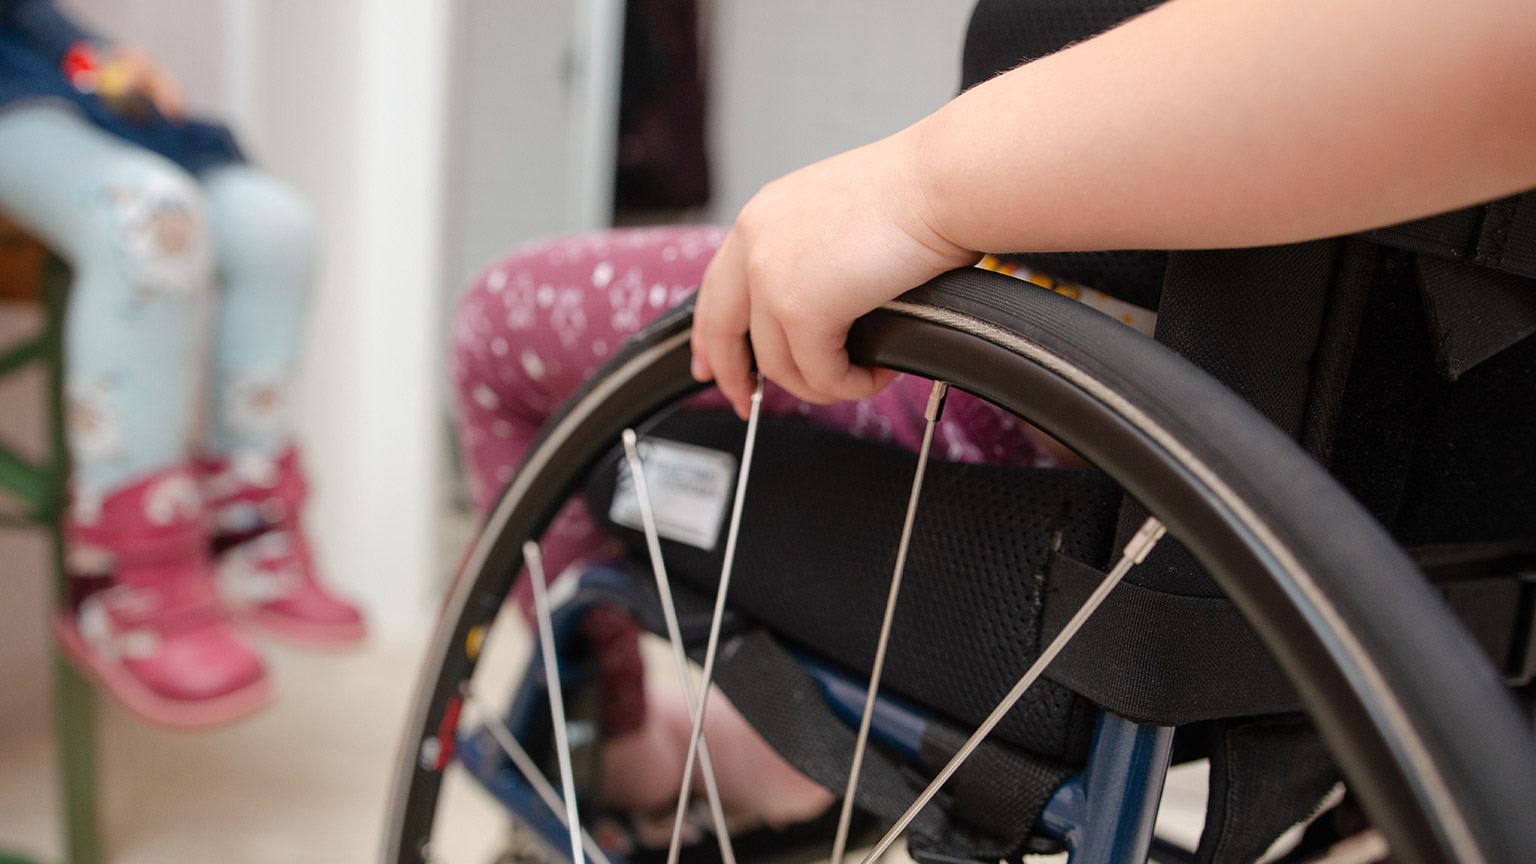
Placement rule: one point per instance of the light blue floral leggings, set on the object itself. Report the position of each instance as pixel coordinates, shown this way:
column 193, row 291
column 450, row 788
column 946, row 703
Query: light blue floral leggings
column 182, row 286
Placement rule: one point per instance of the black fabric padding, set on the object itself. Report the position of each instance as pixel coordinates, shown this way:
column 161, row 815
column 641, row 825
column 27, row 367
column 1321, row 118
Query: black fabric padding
column 1517, row 235
column 1435, row 461
column 818, row 543
column 1251, row 318
column 1383, row 409
column 985, row 811
column 1477, row 271
column 1495, row 604
column 1336, row 348
column 1164, row 659
column 1447, row 235
column 1267, row 774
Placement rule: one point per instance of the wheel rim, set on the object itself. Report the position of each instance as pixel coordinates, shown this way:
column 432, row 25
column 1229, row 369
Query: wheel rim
column 1373, row 735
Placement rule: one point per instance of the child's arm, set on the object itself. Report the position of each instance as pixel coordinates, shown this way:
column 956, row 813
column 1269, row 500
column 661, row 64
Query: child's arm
column 1204, row 123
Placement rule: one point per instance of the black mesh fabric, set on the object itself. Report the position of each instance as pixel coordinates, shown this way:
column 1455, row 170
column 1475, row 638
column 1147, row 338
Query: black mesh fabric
column 818, row 544
column 1251, row 318
column 1003, row 34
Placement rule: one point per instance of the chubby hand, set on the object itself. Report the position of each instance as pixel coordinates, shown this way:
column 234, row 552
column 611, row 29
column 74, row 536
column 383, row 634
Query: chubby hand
column 129, row 72
column 811, row 252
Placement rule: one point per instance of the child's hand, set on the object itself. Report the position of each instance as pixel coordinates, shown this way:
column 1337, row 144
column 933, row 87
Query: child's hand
column 129, row 73
column 811, row 252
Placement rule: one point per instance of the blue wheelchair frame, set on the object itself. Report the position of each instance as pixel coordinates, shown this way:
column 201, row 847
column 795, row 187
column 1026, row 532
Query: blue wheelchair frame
column 1104, row 815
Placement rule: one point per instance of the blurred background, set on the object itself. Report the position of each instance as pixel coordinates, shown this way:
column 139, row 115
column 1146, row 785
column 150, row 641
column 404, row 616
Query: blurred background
column 429, row 135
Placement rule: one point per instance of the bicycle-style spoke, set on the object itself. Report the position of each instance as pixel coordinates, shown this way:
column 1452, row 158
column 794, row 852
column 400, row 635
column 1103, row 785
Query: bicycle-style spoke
column 535, row 563
column 674, row 636
column 526, row 766
column 714, row 625
column 931, row 417
column 1140, row 545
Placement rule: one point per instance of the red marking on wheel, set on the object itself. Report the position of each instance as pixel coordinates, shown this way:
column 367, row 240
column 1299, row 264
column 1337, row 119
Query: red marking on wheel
column 446, row 740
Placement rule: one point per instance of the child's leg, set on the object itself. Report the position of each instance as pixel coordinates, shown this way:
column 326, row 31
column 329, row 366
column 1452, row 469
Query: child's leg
column 645, row 767
column 264, row 234
column 132, row 226
column 528, row 332
column 265, row 240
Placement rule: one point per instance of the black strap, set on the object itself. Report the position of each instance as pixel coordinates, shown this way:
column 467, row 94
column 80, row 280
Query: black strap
column 1267, row 774
column 1170, row 659
column 986, row 812
column 1252, row 319
column 1160, row 658
column 1491, row 587
column 1499, row 235
column 1477, row 277
column 1473, row 312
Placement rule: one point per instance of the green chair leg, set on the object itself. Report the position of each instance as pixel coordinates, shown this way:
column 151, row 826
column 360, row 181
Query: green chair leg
column 44, row 489
column 75, row 727
column 74, row 712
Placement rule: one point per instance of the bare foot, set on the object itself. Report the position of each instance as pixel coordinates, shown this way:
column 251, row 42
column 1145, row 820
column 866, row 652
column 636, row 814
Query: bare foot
column 641, row 771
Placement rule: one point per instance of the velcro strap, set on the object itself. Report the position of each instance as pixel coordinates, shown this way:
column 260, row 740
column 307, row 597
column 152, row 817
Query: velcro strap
column 171, row 609
column 145, row 547
column 1158, row 657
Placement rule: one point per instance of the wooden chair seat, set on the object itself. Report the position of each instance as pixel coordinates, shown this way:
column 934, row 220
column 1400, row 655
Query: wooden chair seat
column 21, row 264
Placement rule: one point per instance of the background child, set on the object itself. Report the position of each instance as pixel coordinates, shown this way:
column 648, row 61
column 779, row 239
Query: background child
column 152, row 211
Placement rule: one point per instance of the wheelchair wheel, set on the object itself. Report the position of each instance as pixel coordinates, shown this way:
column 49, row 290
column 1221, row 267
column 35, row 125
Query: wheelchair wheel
column 1412, row 712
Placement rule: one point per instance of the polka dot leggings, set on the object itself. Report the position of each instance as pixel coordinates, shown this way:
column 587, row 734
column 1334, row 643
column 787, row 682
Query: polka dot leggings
column 535, row 325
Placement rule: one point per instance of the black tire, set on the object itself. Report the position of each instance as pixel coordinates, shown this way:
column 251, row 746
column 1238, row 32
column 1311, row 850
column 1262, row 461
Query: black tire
column 1414, row 714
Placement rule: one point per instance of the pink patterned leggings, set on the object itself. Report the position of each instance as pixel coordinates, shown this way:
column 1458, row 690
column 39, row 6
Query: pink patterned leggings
column 539, row 322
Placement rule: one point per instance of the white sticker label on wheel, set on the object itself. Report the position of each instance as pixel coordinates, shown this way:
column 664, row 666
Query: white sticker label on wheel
column 689, row 486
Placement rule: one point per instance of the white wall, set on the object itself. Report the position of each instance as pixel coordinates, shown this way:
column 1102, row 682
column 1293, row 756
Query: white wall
column 795, row 81
column 790, row 82
column 182, row 34
column 531, row 79
column 348, row 100
column 508, row 150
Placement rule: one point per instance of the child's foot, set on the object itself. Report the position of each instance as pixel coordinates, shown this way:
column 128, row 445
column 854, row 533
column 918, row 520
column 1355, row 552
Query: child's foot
column 266, row 574
column 642, row 771
column 145, row 619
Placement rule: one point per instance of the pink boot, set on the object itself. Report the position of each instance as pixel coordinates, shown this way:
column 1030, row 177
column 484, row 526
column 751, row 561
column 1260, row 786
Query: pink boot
column 146, row 619
column 266, row 573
